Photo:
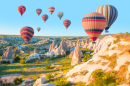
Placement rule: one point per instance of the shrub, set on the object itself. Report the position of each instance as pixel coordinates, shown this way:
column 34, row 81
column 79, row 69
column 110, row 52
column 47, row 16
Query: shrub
column 61, row 82
column 47, row 61
column 86, row 57
column 47, row 67
column 102, row 79
column 49, row 76
column 17, row 81
column 22, row 61
column 16, row 59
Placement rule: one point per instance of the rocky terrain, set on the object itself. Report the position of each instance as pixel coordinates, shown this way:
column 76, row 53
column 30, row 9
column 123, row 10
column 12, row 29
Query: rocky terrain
column 111, row 54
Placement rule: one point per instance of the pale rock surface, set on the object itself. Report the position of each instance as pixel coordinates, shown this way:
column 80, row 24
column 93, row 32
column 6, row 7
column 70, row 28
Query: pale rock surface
column 26, row 81
column 40, row 81
column 71, row 54
column 76, row 56
column 103, row 48
column 48, row 84
column 33, row 56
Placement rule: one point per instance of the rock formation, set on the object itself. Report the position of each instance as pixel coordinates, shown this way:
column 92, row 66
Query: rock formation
column 83, row 43
column 33, row 56
column 8, row 55
column 40, row 81
column 52, row 46
column 71, row 54
column 106, row 47
column 76, row 56
column 78, row 43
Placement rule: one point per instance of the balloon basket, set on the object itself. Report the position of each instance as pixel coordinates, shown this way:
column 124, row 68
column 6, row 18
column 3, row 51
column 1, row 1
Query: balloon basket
column 106, row 31
column 94, row 42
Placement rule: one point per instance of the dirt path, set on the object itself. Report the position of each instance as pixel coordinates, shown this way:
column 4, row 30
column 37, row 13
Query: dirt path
column 9, row 78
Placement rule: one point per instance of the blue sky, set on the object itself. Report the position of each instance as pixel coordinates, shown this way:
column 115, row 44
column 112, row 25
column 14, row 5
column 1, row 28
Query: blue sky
column 11, row 21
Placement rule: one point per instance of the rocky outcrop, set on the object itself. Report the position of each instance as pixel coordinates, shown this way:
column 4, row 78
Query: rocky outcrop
column 83, row 42
column 70, row 44
column 103, row 48
column 71, row 54
column 27, row 81
column 76, row 56
column 52, row 46
column 33, row 56
column 8, row 55
column 40, row 81
column 78, row 43
column 63, row 46
column 48, row 84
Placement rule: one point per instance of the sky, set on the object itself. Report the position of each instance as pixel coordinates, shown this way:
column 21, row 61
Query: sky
column 11, row 21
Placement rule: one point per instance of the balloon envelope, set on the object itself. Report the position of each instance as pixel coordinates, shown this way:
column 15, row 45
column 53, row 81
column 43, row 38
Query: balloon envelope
column 110, row 13
column 51, row 9
column 21, row 9
column 38, row 29
column 38, row 11
column 60, row 14
column 93, row 24
column 27, row 33
column 44, row 17
column 66, row 23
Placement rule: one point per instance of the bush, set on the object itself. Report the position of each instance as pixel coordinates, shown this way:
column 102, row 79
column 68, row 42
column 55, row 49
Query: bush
column 22, row 61
column 86, row 57
column 16, row 59
column 103, row 79
column 49, row 76
column 17, row 81
column 62, row 82
column 47, row 67
column 47, row 61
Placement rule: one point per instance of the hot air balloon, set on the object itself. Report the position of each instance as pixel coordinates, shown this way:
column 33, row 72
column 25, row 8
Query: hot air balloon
column 44, row 17
column 66, row 23
column 93, row 24
column 60, row 14
column 38, row 29
column 51, row 9
column 38, row 11
column 27, row 33
column 110, row 13
column 21, row 9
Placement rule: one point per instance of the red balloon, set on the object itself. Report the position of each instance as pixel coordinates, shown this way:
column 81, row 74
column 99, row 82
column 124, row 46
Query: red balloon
column 27, row 33
column 66, row 23
column 21, row 9
column 38, row 11
column 44, row 17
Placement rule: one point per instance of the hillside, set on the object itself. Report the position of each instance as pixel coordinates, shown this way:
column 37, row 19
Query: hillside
column 110, row 65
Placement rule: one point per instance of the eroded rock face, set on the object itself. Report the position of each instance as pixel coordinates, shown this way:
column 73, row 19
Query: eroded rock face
column 76, row 56
column 71, row 54
column 40, row 81
column 48, row 84
column 63, row 46
column 52, row 46
column 33, row 56
column 104, row 47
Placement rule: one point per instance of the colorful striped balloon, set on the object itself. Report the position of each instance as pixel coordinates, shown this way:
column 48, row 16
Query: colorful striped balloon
column 27, row 33
column 44, row 17
column 93, row 24
column 51, row 9
column 66, row 23
column 38, row 11
column 21, row 9
column 110, row 13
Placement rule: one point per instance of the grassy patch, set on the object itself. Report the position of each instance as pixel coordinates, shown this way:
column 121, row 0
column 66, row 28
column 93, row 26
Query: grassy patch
column 112, row 60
